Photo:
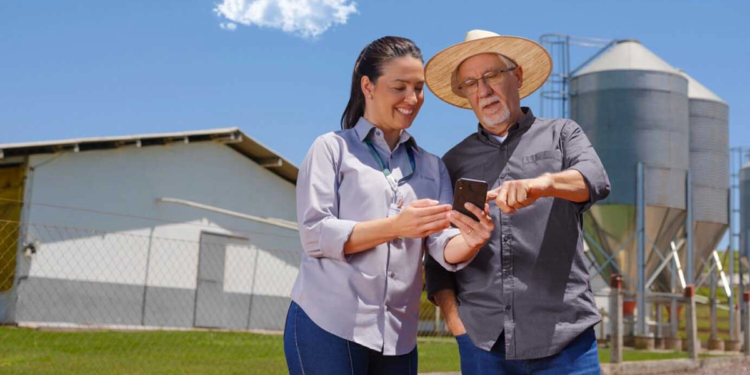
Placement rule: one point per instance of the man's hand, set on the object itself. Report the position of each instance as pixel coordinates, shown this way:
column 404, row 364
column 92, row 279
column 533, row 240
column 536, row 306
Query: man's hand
column 515, row 195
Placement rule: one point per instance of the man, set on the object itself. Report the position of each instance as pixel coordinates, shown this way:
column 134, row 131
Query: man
column 525, row 300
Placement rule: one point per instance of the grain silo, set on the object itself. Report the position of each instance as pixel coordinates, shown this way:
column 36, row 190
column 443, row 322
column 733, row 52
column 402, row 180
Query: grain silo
column 633, row 106
column 709, row 166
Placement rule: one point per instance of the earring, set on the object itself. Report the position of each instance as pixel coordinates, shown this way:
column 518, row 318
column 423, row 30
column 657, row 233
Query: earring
column 369, row 96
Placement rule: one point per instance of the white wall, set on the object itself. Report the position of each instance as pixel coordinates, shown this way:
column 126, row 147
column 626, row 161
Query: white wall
column 251, row 270
column 128, row 181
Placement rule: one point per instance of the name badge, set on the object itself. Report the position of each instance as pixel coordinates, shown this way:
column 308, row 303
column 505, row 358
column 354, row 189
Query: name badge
column 394, row 209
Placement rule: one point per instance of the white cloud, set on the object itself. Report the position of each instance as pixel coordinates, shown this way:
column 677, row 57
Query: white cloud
column 305, row 18
column 231, row 26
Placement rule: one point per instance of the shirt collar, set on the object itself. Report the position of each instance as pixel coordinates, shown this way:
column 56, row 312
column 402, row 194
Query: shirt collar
column 523, row 124
column 365, row 128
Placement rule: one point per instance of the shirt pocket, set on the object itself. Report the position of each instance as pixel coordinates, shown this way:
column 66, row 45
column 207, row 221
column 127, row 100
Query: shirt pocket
column 535, row 165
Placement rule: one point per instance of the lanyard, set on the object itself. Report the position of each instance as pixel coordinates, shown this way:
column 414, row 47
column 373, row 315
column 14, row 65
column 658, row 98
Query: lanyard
column 387, row 172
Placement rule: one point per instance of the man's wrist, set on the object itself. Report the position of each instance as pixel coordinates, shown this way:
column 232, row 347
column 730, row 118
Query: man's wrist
column 544, row 186
column 455, row 326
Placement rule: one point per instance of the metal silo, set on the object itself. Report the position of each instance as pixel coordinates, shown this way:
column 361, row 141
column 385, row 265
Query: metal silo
column 633, row 106
column 709, row 165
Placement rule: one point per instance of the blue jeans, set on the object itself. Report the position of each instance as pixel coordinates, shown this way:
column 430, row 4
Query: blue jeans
column 580, row 357
column 310, row 350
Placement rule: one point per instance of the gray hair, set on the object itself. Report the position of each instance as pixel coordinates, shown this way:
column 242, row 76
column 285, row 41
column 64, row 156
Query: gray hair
column 508, row 62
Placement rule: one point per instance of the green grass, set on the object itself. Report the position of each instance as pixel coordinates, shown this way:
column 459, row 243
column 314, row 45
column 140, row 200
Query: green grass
column 25, row 351
column 36, row 352
column 42, row 352
column 438, row 354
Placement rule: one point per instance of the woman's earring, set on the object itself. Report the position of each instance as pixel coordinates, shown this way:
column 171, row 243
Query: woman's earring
column 369, row 96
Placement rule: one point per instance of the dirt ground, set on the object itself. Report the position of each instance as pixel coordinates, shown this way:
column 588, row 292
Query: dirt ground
column 728, row 368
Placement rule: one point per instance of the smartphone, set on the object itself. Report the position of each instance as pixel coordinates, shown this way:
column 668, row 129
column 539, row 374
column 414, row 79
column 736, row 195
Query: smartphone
column 471, row 191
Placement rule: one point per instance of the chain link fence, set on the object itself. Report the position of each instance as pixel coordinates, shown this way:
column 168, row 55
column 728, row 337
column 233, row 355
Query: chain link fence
column 76, row 300
column 71, row 298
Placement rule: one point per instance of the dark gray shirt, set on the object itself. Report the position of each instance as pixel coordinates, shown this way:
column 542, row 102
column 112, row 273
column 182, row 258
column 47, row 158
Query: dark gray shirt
column 530, row 280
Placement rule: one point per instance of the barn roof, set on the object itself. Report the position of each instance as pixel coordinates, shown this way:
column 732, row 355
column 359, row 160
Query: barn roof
column 231, row 137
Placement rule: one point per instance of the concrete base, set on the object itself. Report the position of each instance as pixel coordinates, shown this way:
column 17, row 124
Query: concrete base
column 644, row 342
column 732, row 345
column 659, row 343
column 671, row 343
column 715, row 344
column 628, row 341
column 685, row 344
column 730, row 365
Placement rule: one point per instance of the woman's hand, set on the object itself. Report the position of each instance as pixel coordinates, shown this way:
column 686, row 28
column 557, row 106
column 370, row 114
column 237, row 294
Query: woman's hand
column 421, row 218
column 475, row 233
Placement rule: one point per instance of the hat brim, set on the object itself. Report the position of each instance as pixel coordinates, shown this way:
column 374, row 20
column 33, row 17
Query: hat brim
column 529, row 55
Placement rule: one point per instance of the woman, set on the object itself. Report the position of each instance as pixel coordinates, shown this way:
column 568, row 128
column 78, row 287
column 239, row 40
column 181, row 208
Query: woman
column 369, row 200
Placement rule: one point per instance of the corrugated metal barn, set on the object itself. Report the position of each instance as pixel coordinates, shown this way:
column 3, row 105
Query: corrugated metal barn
column 193, row 229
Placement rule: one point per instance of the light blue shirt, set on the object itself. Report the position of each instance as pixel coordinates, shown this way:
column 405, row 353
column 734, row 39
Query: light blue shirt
column 371, row 297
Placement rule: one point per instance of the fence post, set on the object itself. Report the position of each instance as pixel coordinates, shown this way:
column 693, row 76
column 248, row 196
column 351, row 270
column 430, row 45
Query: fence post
column 659, row 341
column 713, row 341
column 615, row 319
column 734, row 344
column 673, row 342
column 693, row 344
column 746, row 321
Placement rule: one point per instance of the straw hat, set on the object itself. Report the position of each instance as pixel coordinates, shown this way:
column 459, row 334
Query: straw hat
column 440, row 72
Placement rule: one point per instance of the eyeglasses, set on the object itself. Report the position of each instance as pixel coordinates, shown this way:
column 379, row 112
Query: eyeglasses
column 491, row 78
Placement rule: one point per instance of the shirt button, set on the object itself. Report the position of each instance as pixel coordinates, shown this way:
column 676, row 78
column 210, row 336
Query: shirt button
column 507, row 307
column 392, row 275
column 502, row 175
column 506, row 239
column 387, row 308
column 377, row 133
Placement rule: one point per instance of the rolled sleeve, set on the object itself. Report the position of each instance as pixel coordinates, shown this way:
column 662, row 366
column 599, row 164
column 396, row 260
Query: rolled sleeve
column 322, row 233
column 436, row 248
column 580, row 155
column 436, row 242
column 333, row 235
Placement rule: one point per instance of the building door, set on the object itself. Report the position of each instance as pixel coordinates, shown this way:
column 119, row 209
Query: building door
column 210, row 299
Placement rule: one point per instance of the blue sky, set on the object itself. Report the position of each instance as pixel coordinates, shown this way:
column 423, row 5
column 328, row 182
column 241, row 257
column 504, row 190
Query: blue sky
column 91, row 68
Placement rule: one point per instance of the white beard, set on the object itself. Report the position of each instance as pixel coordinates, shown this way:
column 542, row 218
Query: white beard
column 496, row 119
